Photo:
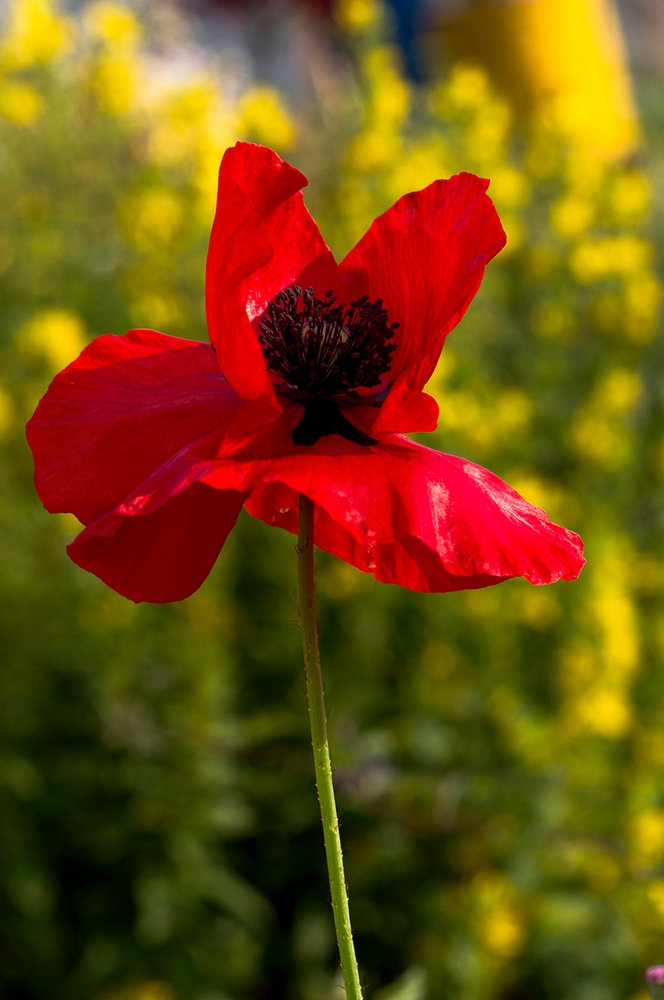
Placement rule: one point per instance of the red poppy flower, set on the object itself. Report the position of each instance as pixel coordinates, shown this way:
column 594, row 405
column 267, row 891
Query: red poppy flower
column 314, row 372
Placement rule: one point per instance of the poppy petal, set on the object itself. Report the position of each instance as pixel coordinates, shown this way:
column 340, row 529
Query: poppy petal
column 163, row 555
column 406, row 411
column 413, row 516
column 425, row 257
column 123, row 408
column 263, row 239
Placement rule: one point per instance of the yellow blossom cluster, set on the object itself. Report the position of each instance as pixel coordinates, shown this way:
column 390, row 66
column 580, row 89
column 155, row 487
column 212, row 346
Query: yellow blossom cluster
column 596, row 674
column 499, row 918
column 599, row 430
column 180, row 129
column 36, row 34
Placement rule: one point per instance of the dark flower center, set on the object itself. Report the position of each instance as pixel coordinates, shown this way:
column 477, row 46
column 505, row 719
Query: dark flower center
column 324, row 352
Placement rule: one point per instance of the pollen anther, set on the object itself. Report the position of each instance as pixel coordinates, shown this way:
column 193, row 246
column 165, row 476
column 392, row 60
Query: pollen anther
column 322, row 349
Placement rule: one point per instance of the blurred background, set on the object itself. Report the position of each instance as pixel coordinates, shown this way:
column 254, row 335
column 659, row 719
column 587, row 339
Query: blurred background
column 499, row 753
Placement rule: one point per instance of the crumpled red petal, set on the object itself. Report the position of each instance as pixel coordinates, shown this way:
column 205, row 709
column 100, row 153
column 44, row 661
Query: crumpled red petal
column 123, row 408
column 410, row 515
column 425, row 257
column 263, row 239
column 160, row 544
column 162, row 556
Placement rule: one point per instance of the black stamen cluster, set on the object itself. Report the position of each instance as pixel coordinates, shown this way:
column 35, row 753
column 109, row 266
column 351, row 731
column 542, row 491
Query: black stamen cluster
column 323, row 349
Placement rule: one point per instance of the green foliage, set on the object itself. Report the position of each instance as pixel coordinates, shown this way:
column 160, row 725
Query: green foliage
column 499, row 753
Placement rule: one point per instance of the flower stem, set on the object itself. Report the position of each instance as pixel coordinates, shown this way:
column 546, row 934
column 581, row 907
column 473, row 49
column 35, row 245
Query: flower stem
column 321, row 747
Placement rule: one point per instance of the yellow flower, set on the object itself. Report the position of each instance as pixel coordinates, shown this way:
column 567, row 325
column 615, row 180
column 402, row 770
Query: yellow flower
column 617, row 618
column 192, row 125
column 596, row 438
column 571, row 216
column 655, row 893
column 583, row 171
column 629, row 197
column 153, row 218
column 58, row 335
column 467, row 87
column 115, row 84
column 185, row 121
column 158, row 310
column 485, row 138
column 617, row 391
column 264, row 118
column 503, row 932
column 419, row 166
column 594, row 259
column 630, row 255
column 509, row 187
column 643, row 295
column 114, row 24
column 459, row 409
column 647, row 838
column 597, row 678
column 515, row 232
column 35, row 34
column 356, row 15
column 499, row 920
column 389, row 99
column 513, row 410
column 6, row 413
column 20, row 103
column 374, row 149
column 605, row 712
